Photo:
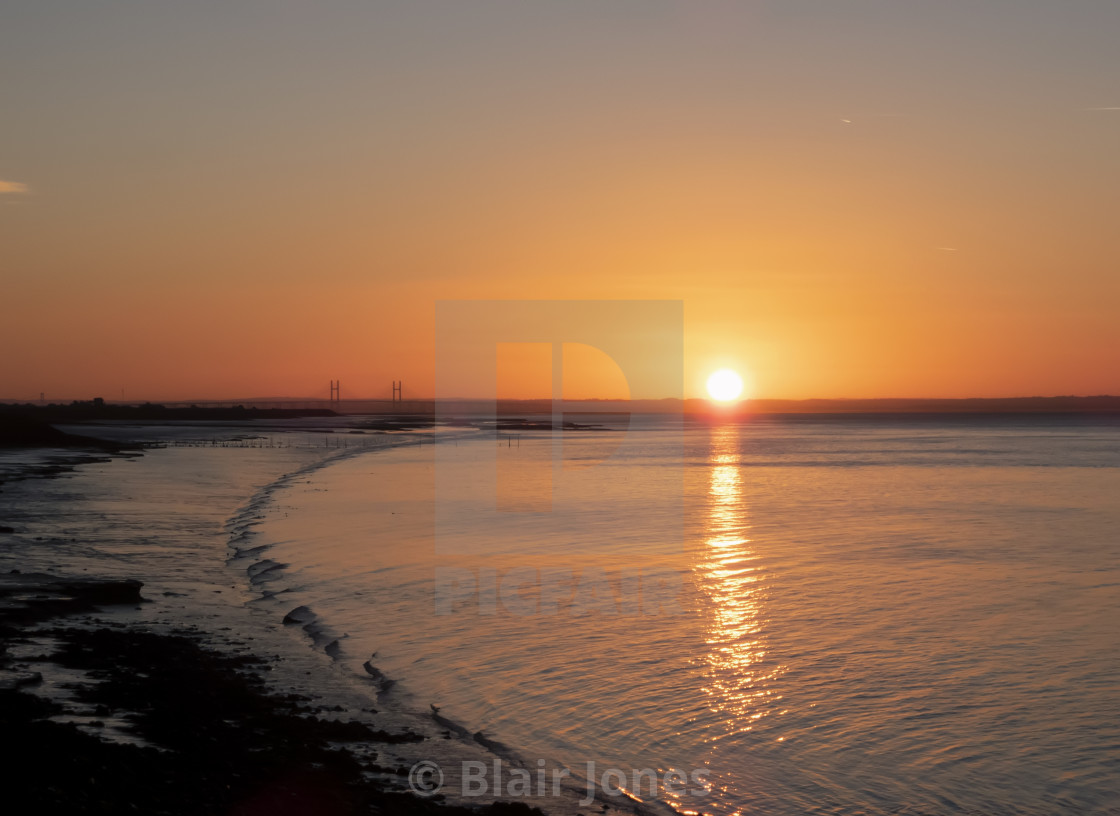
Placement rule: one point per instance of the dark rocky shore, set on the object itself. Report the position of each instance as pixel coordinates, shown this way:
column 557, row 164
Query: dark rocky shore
column 210, row 738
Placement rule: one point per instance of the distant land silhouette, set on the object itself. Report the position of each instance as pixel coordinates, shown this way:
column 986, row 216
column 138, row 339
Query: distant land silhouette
column 21, row 431
column 289, row 408
column 86, row 410
column 26, row 425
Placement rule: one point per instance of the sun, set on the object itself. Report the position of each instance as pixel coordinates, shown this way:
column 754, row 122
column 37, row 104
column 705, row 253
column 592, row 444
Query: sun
column 725, row 385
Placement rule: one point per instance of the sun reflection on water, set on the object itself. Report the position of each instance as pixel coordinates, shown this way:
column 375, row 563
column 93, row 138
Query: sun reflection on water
column 739, row 679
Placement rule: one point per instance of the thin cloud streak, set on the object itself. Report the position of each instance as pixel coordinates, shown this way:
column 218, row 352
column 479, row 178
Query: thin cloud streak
column 13, row 187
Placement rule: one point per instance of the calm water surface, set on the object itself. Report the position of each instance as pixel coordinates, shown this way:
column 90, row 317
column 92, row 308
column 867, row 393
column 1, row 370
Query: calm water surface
column 829, row 616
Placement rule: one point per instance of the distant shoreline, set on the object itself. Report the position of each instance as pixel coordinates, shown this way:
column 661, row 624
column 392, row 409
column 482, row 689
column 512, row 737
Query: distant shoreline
column 87, row 410
column 98, row 410
column 979, row 405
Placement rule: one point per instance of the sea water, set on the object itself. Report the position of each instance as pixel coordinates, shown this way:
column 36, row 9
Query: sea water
column 823, row 615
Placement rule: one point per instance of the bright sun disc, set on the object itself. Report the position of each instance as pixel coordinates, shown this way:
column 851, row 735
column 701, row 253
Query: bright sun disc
column 725, row 385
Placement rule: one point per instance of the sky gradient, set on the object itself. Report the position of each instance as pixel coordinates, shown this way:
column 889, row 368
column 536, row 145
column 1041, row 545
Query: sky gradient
column 852, row 199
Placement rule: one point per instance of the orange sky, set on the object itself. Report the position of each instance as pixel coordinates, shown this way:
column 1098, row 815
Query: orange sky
column 852, row 199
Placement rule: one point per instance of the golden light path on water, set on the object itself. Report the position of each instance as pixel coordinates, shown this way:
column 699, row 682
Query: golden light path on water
column 738, row 682
column 739, row 686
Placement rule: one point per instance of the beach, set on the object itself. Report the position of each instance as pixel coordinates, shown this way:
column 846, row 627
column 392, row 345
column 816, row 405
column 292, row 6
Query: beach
column 138, row 673
column 242, row 617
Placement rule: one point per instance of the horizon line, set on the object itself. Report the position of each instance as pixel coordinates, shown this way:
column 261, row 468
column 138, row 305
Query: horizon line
column 431, row 399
